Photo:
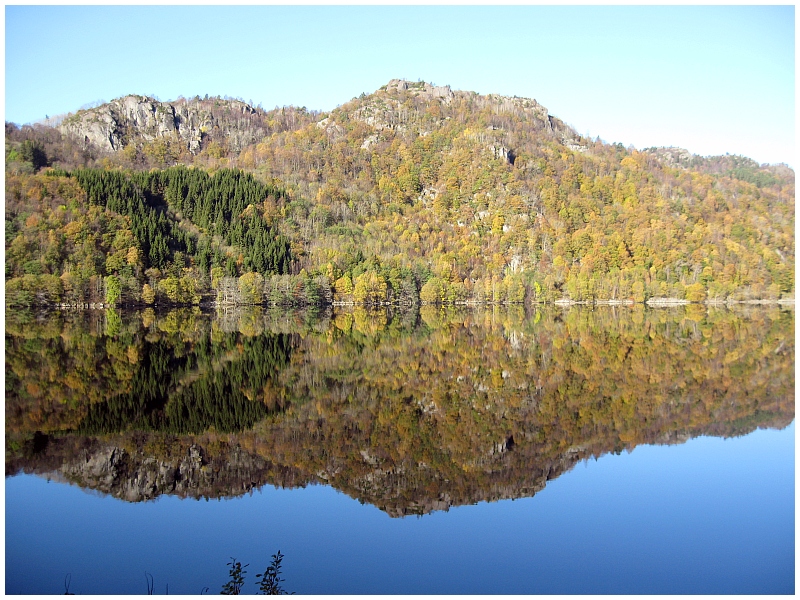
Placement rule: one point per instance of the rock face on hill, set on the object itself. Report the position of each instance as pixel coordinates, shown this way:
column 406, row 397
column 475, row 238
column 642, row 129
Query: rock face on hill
column 114, row 125
column 132, row 119
column 398, row 104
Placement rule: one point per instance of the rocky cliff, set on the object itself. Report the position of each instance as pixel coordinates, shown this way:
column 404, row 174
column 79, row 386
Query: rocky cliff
column 392, row 108
column 114, row 125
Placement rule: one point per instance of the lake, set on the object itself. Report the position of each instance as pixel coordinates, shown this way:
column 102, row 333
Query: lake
column 581, row 450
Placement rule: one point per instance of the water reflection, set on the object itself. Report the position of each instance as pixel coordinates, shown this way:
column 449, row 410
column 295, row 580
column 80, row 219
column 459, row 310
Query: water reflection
column 411, row 411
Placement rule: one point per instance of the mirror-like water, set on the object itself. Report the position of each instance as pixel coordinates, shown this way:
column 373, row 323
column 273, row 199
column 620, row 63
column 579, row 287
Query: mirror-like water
column 576, row 451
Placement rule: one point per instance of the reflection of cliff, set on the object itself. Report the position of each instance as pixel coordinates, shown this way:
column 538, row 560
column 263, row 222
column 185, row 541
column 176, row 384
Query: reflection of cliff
column 142, row 467
column 418, row 414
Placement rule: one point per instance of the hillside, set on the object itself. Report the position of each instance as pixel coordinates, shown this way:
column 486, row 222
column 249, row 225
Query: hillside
column 415, row 192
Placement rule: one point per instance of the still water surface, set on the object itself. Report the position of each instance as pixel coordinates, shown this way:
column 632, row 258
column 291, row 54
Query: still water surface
column 458, row 452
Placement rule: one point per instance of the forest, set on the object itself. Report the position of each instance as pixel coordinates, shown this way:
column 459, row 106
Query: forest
column 412, row 194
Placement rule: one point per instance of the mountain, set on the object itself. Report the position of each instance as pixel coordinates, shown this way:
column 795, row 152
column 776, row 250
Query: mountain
column 415, row 192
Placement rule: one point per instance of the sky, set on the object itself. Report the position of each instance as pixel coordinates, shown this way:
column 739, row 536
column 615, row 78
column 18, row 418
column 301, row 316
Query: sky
column 711, row 79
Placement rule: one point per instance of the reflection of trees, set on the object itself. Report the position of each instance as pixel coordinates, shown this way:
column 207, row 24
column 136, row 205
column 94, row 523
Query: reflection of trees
column 417, row 412
column 59, row 366
column 164, row 376
column 192, row 393
column 486, row 398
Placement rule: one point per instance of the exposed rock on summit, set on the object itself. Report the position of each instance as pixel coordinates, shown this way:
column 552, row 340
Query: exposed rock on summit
column 114, row 125
column 421, row 89
column 394, row 108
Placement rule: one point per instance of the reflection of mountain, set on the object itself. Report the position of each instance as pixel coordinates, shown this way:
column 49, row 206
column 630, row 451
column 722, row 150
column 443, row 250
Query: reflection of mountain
column 142, row 467
column 411, row 413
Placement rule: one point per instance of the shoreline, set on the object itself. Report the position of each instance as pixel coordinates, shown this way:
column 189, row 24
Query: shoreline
column 562, row 302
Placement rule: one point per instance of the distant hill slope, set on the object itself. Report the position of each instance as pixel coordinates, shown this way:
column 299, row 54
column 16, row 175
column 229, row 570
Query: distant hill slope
column 414, row 192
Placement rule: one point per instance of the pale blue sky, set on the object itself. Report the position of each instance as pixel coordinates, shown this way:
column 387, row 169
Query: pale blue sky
column 712, row 79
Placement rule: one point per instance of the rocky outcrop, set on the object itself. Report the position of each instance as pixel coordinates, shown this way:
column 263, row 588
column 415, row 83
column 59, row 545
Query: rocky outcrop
column 114, row 125
column 422, row 89
column 398, row 493
column 672, row 157
column 136, row 119
column 331, row 128
column 387, row 109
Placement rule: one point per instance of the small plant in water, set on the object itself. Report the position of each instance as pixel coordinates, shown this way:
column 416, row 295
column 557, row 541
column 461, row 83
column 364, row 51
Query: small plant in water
column 270, row 583
column 150, row 585
column 236, row 574
column 271, row 578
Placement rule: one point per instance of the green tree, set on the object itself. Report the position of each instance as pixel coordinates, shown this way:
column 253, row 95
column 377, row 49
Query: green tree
column 148, row 294
column 370, row 288
column 113, row 289
column 32, row 152
column 433, row 291
column 251, row 288
column 695, row 292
